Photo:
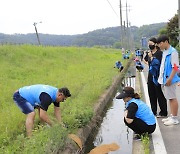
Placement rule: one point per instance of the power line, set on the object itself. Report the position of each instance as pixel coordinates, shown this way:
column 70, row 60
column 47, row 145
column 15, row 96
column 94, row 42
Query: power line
column 112, row 8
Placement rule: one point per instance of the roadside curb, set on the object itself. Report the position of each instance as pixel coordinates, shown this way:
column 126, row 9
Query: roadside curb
column 104, row 99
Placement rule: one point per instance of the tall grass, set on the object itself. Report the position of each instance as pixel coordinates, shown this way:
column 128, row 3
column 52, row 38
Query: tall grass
column 87, row 72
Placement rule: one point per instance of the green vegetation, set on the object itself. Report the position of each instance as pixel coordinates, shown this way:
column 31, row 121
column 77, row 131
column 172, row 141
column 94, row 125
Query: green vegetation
column 87, row 72
column 101, row 37
column 172, row 30
column 178, row 49
column 145, row 141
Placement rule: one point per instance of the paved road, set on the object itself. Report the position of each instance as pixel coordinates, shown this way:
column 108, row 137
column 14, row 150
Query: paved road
column 170, row 134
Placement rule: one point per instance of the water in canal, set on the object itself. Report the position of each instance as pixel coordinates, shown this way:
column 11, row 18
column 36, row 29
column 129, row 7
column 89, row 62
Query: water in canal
column 112, row 129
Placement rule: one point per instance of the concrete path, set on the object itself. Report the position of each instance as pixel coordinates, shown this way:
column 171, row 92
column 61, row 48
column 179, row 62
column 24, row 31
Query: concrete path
column 170, row 134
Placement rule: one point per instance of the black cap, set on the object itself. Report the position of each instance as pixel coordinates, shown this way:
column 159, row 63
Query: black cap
column 127, row 92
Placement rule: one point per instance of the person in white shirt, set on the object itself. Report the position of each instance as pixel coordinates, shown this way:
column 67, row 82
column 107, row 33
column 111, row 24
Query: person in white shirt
column 168, row 77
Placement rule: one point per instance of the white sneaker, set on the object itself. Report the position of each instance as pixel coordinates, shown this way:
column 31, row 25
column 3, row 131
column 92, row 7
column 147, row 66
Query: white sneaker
column 166, row 119
column 171, row 121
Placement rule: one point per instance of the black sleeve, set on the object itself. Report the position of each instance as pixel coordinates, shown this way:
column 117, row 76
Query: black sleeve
column 56, row 104
column 158, row 55
column 132, row 109
column 45, row 101
column 146, row 57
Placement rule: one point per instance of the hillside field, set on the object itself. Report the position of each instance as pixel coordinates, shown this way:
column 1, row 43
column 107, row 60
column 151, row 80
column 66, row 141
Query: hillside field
column 87, row 72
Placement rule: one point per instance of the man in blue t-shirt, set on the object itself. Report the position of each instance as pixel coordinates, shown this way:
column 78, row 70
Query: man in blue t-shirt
column 40, row 96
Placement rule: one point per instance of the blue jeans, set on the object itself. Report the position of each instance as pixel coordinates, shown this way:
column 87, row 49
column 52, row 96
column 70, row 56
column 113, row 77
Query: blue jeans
column 22, row 103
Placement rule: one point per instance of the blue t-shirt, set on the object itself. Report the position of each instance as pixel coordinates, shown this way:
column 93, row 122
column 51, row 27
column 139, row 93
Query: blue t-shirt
column 144, row 112
column 32, row 93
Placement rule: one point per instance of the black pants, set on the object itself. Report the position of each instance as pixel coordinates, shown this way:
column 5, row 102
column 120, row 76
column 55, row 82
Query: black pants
column 140, row 127
column 121, row 68
column 139, row 68
column 156, row 95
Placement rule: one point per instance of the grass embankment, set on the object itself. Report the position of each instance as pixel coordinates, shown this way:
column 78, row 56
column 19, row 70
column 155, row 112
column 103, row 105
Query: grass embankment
column 87, row 72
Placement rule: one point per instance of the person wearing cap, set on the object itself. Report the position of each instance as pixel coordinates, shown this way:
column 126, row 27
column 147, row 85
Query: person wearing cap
column 138, row 116
column 39, row 97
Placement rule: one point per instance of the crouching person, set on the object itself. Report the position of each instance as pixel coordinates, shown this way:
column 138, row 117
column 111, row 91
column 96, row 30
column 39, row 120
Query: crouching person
column 138, row 116
column 39, row 97
column 139, row 66
column 119, row 65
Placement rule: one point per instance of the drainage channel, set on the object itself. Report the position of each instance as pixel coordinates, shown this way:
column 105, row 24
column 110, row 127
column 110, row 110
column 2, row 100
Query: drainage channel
column 112, row 129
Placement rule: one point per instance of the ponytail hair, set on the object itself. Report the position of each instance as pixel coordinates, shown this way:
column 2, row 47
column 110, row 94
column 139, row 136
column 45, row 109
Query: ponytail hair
column 136, row 96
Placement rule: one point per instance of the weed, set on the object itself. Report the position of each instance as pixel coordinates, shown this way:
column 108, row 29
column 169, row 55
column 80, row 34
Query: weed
column 87, row 72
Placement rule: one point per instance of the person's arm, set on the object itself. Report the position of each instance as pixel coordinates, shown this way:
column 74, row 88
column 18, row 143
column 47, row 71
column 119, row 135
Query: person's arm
column 44, row 116
column 130, row 112
column 145, row 62
column 147, row 59
column 128, row 120
column 174, row 60
column 57, row 113
column 45, row 101
column 168, row 82
column 154, row 67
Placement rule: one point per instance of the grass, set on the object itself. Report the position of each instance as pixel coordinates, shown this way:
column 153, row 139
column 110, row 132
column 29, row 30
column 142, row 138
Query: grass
column 87, row 72
column 146, row 143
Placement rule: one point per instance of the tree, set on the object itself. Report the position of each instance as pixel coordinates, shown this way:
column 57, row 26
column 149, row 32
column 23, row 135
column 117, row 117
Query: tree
column 117, row 45
column 163, row 31
column 171, row 30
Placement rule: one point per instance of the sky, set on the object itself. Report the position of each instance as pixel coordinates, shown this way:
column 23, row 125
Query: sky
column 69, row 17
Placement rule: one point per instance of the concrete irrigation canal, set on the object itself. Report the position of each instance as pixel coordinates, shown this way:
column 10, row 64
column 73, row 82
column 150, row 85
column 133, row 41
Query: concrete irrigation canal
column 112, row 129
column 107, row 125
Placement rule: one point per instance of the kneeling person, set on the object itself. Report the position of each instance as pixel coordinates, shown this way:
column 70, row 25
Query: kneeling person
column 119, row 65
column 40, row 96
column 138, row 116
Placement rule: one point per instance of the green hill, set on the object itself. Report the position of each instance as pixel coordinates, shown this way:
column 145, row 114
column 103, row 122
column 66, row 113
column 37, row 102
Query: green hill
column 100, row 37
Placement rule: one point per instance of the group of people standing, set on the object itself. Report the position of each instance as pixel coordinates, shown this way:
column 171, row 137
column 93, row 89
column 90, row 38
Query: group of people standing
column 163, row 78
column 162, row 81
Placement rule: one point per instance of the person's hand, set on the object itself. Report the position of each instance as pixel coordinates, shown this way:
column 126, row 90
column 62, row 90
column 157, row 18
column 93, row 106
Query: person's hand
column 150, row 55
column 178, row 84
column 168, row 83
column 48, row 125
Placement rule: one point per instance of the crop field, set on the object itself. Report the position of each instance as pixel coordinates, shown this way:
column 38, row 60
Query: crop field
column 87, row 72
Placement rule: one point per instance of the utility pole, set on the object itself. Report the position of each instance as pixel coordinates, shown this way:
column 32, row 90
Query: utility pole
column 122, row 44
column 179, row 19
column 35, row 23
column 131, row 40
column 125, row 36
column 127, row 29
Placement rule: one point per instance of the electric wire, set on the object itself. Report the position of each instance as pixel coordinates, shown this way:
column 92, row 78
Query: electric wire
column 112, row 8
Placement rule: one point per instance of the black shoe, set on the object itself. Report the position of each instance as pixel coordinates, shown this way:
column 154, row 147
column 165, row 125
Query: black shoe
column 137, row 137
column 161, row 115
